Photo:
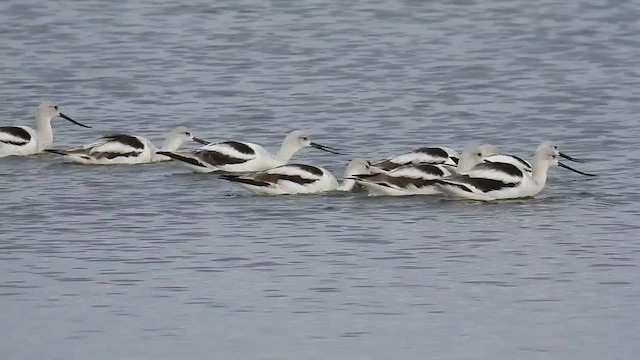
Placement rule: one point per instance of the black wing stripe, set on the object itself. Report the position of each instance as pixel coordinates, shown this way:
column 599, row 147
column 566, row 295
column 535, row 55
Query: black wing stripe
column 486, row 185
column 247, row 181
column 430, row 169
column 218, row 159
column 112, row 155
column 308, row 168
column 239, row 147
column 179, row 157
column 436, row 152
column 297, row 179
column 14, row 142
column 526, row 164
column 129, row 140
column 506, row 168
column 17, row 132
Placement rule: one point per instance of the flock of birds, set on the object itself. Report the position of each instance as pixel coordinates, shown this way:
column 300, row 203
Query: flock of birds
column 478, row 173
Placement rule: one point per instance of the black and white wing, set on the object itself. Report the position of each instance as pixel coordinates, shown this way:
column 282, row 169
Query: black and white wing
column 14, row 135
column 286, row 179
column 410, row 179
column 509, row 159
column 424, row 155
column 485, row 178
column 217, row 156
column 108, row 147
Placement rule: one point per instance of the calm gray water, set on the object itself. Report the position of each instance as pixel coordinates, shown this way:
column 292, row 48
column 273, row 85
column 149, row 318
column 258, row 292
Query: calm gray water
column 153, row 262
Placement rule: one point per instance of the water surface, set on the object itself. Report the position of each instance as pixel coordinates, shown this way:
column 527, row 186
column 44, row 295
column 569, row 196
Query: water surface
column 153, row 262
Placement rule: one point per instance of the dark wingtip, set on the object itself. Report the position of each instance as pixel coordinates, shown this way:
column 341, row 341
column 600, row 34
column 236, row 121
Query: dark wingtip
column 56, row 151
column 179, row 157
column 440, row 182
column 242, row 180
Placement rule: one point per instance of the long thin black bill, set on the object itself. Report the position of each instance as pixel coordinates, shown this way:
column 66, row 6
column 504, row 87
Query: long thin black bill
column 73, row 121
column 204, row 142
column 570, row 158
column 574, row 170
column 325, row 148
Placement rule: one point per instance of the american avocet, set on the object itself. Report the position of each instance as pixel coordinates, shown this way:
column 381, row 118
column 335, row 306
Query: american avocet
column 297, row 179
column 495, row 181
column 419, row 179
column 423, row 155
column 524, row 164
column 23, row 140
column 237, row 156
column 126, row 149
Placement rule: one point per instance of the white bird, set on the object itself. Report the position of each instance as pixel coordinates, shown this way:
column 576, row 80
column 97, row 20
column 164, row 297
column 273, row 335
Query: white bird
column 424, row 155
column 420, row 179
column 237, row 156
column 23, row 140
column 298, row 179
column 116, row 149
column 496, row 181
column 524, row 164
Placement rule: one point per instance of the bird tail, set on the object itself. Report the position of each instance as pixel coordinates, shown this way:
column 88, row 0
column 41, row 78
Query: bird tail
column 180, row 157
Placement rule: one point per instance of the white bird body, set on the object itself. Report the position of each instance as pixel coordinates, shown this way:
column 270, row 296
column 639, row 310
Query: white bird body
column 238, row 156
column 24, row 141
column 297, row 179
column 500, row 180
column 123, row 149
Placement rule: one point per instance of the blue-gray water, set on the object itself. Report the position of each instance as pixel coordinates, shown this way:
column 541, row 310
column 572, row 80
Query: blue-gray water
column 152, row 262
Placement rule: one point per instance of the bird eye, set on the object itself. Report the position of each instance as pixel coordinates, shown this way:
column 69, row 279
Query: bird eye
column 479, row 154
column 304, row 138
column 56, row 107
column 187, row 133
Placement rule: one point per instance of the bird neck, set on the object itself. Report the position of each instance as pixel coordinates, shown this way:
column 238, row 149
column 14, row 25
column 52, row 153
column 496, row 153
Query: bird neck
column 286, row 152
column 539, row 171
column 465, row 163
column 154, row 153
column 44, row 132
column 347, row 185
column 352, row 170
column 172, row 144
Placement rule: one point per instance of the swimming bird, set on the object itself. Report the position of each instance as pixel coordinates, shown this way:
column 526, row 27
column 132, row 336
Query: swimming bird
column 524, row 164
column 423, row 155
column 498, row 180
column 116, row 149
column 238, row 156
column 298, row 179
column 23, row 140
column 419, row 179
